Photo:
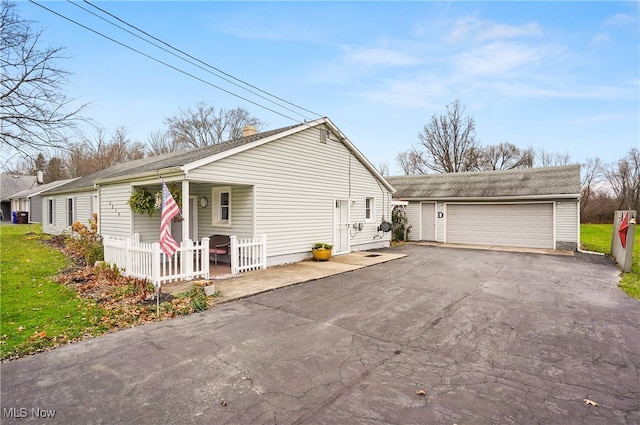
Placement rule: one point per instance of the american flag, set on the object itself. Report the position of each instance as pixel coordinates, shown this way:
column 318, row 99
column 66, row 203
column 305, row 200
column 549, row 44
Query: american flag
column 169, row 211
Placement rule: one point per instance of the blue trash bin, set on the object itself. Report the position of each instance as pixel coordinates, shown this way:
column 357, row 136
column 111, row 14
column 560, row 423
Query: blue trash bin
column 14, row 217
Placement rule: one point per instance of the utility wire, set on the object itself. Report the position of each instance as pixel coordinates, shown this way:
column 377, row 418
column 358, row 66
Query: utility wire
column 161, row 62
column 204, row 63
column 191, row 62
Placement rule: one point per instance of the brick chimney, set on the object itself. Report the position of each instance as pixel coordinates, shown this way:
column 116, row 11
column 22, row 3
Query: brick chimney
column 248, row 130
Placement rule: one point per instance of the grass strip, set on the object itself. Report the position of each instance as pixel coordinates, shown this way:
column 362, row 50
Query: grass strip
column 597, row 238
column 37, row 313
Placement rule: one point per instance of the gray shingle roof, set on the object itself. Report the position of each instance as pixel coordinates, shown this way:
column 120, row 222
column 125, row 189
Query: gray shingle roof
column 161, row 162
column 29, row 192
column 13, row 183
column 526, row 182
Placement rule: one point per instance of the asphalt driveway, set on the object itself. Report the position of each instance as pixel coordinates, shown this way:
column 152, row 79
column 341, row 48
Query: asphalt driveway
column 490, row 337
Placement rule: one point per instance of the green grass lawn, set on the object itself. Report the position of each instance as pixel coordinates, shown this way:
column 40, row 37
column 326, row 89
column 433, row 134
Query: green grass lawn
column 35, row 311
column 597, row 238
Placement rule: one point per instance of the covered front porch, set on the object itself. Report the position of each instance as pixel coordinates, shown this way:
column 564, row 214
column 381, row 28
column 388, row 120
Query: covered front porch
column 192, row 260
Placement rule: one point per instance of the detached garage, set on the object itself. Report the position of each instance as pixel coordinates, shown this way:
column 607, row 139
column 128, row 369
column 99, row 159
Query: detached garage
column 531, row 208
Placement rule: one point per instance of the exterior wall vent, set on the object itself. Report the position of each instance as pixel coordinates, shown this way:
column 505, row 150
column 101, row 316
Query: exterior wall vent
column 323, row 135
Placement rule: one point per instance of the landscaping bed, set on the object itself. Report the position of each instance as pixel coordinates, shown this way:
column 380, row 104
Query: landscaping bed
column 50, row 297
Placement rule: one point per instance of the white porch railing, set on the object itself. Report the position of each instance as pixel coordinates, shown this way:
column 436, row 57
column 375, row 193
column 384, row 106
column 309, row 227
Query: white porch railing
column 148, row 261
column 191, row 261
column 248, row 253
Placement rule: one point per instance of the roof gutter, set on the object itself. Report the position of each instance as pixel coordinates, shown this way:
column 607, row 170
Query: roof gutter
column 495, row 198
column 166, row 171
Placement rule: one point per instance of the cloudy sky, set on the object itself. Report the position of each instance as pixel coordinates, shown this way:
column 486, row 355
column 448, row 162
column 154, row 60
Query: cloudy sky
column 563, row 76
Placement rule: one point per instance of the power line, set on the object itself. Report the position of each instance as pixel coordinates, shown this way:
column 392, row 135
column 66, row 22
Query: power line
column 160, row 61
column 204, row 63
column 191, row 62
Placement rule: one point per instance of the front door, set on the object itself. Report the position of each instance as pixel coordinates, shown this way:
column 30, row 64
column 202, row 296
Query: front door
column 341, row 227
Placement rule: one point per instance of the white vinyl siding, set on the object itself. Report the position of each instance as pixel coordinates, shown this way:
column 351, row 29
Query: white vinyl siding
column 440, row 221
column 115, row 215
column 567, row 226
column 241, row 212
column 413, row 218
column 296, row 180
column 80, row 203
column 518, row 224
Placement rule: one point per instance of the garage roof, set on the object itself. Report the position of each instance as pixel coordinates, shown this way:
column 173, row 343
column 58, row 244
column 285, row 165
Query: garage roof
column 542, row 182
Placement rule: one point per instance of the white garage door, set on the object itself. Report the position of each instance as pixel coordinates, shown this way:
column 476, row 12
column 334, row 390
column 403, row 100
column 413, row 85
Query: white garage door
column 520, row 225
column 428, row 223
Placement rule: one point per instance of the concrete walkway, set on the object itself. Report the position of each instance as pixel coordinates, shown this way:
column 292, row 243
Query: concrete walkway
column 258, row 281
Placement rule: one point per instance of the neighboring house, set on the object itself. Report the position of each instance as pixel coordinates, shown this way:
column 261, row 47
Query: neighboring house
column 11, row 184
column 297, row 185
column 31, row 201
column 531, row 207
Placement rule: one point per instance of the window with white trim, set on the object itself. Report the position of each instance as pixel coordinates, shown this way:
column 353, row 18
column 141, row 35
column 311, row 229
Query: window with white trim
column 70, row 214
column 369, row 209
column 50, row 211
column 221, row 211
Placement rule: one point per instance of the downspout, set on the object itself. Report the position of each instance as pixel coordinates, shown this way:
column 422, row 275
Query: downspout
column 185, row 210
column 99, row 209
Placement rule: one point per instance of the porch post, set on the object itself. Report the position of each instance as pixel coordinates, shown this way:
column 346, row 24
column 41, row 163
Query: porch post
column 205, row 257
column 233, row 253
column 185, row 210
column 263, row 251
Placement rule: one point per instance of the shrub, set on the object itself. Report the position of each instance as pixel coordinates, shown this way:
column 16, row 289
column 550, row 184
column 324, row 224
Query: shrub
column 85, row 242
column 401, row 226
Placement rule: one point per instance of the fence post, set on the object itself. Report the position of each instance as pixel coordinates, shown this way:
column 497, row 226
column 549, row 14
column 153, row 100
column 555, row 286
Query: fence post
column 187, row 258
column 127, row 255
column 105, row 247
column 155, row 264
column 263, row 252
column 233, row 253
column 205, row 257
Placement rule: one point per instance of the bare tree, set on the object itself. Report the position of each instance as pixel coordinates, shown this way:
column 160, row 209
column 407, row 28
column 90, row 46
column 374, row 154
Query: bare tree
column 160, row 142
column 207, row 126
column 383, row 168
column 503, row 156
column 411, row 162
column 552, row 159
column 448, row 139
column 35, row 112
column 98, row 153
column 624, row 178
column 591, row 172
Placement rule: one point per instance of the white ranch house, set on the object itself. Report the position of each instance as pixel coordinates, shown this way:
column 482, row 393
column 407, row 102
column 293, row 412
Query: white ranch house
column 292, row 187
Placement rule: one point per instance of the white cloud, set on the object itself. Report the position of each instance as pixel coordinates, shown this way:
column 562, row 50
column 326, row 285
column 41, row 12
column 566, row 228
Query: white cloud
column 596, row 118
column 600, row 38
column 378, row 57
column 418, row 92
column 499, row 58
column 478, row 30
column 621, row 20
